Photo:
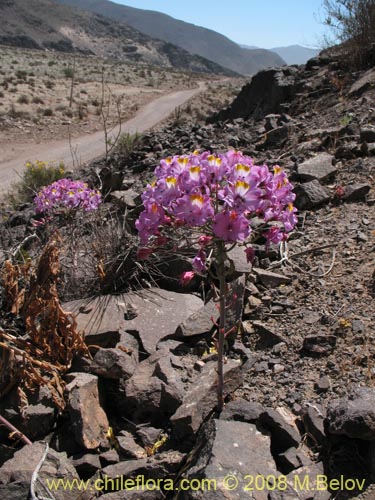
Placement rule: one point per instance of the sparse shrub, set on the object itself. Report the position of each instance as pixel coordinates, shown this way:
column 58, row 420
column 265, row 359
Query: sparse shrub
column 23, row 99
column 68, row 72
column 21, row 74
column 127, row 143
column 37, row 100
column 353, row 22
column 36, row 175
column 49, row 84
column 1, row 94
column 47, row 112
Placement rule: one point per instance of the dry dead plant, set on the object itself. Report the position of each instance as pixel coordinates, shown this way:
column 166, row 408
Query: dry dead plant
column 52, row 338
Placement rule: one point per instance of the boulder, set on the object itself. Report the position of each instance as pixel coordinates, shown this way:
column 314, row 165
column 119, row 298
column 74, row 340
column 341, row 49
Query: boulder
column 159, row 313
column 201, row 398
column 113, row 363
column 319, row 167
column 265, row 94
column 354, row 415
column 89, row 422
column 230, row 453
column 101, row 319
column 16, row 473
column 311, row 195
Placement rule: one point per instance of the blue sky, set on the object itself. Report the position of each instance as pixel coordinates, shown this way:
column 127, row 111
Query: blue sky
column 264, row 23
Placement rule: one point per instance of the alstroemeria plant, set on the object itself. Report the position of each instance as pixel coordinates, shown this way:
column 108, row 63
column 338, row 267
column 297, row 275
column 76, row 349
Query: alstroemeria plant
column 211, row 203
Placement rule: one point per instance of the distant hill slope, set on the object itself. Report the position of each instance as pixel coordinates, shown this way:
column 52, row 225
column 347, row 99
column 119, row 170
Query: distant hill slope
column 292, row 54
column 194, row 39
column 295, row 54
column 50, row 25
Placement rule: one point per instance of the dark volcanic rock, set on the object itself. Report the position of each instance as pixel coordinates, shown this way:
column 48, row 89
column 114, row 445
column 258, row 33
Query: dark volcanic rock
column 201, row 399
column 229, row 448
column 113, row 363
column 354, row 415
column 159, row 313
column 16, row 473
column 264, row 95
column 320, row 167
column 89, row 422
column 310, row 195
column 318, row 345
column 356, row 192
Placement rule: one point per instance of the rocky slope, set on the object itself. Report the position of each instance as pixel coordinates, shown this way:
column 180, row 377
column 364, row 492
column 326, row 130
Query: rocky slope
column 299, row 417
column 195, row 39
column 45, row 24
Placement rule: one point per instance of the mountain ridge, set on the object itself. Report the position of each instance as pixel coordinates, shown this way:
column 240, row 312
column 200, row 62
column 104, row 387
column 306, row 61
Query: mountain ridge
column 195, row 39
column 47, row 24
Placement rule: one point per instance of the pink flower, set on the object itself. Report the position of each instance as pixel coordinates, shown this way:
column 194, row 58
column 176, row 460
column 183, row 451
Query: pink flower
column 199, row 262
column 144, row 253
column 229, row 226
column 250, row 254
column 186, row 277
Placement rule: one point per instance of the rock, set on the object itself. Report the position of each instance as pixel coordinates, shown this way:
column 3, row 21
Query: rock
column 86, row 465
column 200, row 322
column 313, row 419
column 365, row 82
column 148, row 435
column 323, row 384
column 242, row 411
column 113, row 363
column 109, row 457
column 239, row 260
column 128, row 198
column 154, row 467
column 311, row 195
column 305, row 483
column 318, row 345
column 356, row 192
column 89, row 422
column 101, row 319
column 348, row 151
column 265, row 337
column 39, row 420
column 128, row 448
column 230, row 450
column 284, row 435
column 136, row 494
column 320, row 168
column 201, row 399
column 167, row 310
column 292, row 459
column 270, row 279
column 16, row 473
column 276, row 137
column 265, row 94
column 367, row 135
column 354, row 415
column 149, row 397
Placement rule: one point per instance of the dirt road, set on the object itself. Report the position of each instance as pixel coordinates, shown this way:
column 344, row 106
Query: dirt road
column 86, row 147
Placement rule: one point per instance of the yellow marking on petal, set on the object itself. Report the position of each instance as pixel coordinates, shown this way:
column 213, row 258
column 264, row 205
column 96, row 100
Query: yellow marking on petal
column 196, row 199
column 183, row 161
column 242, row 187
column 168, row 160
column 277, row 170
column 153, row 184
column 171, row 181
column 240, row 167
column 195, row 170
column 290, row 207
column 196, row 152
column 154, row 208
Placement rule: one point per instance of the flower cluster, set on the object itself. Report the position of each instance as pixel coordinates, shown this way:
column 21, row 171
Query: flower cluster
column 220, row 195
column 66, row 193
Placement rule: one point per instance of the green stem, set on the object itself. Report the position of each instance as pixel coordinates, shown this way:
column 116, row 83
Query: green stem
column 221, row 333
